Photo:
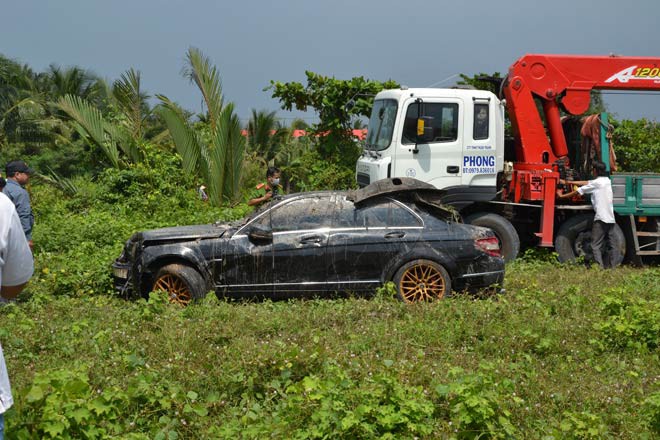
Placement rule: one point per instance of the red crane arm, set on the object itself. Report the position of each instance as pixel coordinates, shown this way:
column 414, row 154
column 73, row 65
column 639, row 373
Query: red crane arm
column 565, row 80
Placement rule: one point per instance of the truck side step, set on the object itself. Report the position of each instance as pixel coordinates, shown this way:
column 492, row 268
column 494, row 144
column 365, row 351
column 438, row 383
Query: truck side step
column 649, row 246
column 648, row 234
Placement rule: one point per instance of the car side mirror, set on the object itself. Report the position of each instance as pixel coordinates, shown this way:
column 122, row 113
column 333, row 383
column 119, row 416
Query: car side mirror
column 424, row 130
column 260, row 235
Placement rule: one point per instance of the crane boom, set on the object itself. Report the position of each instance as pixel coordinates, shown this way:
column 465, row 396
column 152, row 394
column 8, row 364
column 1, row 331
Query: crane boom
column 564, row 81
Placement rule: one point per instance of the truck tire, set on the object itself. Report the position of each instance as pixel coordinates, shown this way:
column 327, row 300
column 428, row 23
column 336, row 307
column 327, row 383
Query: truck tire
column 503, row 229
column 573, row 240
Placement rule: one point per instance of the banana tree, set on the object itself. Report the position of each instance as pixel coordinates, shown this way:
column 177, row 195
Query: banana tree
column 214, row 151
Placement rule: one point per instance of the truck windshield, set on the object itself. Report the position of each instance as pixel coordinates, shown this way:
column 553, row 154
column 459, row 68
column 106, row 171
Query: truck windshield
column 381, row 124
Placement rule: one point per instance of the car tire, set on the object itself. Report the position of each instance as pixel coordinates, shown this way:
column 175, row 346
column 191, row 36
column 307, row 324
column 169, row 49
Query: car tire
column 422, row 280
column 573, row 240
column 182, row 283
column 503, row 229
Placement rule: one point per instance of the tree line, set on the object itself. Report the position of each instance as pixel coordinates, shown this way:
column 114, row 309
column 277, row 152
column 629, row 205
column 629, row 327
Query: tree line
column 69, row 121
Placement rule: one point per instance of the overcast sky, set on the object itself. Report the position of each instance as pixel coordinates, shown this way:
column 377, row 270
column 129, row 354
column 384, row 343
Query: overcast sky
column 417, row 43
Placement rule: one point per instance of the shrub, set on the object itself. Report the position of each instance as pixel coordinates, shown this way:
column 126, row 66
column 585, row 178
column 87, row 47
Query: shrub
column 637, row 145
column 333, row 405
column 651, row 412
column 76, row 239
column 61, row 404
column 317, row 173
column 64, row 404
column 628, row 323
column 474, row 403
column 582, row 426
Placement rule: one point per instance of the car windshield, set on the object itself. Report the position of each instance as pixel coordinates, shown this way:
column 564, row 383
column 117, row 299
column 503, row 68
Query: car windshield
column 381, row 124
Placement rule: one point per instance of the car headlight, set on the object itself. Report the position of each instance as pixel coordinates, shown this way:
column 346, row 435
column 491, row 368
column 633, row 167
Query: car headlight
column 120, row 272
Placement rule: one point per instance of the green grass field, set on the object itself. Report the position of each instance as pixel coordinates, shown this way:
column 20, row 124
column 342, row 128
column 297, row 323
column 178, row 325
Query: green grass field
column 566, row 353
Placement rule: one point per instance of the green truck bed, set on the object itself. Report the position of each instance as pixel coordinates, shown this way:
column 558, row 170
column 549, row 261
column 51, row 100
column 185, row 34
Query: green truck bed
column 637, row 197
column 636, row 194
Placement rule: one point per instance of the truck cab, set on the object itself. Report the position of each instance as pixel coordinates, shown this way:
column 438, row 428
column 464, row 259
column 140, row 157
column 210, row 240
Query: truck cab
column 450, row 138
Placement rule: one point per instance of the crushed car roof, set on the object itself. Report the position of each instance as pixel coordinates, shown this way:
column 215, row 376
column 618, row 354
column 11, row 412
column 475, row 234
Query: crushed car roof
column 420, row 192
column 389, row 186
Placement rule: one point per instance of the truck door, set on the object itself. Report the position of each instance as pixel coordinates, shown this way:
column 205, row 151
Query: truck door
column 480, row 158
column 439, row 161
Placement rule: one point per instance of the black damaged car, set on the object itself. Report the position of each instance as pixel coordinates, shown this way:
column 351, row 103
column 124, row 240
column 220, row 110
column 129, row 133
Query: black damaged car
column 319, row 242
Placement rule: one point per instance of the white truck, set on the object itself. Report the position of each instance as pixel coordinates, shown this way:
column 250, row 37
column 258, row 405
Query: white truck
column 454, row 139
column 458, row 153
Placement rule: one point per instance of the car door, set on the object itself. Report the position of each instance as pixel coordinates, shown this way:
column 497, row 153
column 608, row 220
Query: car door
column 439, row 161
column 246, row 263
column 364, row 239
column 300, row 237
column 281, row 252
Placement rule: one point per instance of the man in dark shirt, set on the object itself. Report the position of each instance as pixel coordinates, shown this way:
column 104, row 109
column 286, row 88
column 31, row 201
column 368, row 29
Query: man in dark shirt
column 18, row 175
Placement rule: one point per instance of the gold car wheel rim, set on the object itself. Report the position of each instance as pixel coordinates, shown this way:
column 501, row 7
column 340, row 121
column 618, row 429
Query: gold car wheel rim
column 176, row 289
column 422, row 282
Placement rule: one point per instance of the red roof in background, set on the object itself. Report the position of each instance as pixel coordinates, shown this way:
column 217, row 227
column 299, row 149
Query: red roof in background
column 361, row 134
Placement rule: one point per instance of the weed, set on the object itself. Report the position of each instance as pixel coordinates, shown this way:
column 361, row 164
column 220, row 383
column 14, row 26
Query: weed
column 582, row 426
column 561, row 340
column 628, row 323
column 386, row 292
column 61, row 404
column 331, row 404
column 474, row 403
column 651, row 412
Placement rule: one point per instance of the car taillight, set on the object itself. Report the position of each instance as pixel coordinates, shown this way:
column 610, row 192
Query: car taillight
column 490, row 245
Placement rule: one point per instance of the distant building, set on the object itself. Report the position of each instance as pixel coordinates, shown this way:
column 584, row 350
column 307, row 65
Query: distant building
column 360, row 134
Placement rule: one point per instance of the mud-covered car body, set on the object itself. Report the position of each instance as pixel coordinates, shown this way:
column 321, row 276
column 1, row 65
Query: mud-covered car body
column 317, row 242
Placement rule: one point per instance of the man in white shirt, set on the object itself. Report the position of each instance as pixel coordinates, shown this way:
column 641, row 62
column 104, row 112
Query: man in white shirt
column 16, row 267
column 602, row 201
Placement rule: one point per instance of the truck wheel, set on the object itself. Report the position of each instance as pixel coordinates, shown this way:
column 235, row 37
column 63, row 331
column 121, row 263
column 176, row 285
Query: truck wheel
column 573, row 240
column 503, row 229
column 422, row 280
column 182, row 284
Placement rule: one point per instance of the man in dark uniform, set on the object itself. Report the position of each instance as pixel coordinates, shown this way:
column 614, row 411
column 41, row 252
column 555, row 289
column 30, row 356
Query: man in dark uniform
column 266, row 190
column 18, row 175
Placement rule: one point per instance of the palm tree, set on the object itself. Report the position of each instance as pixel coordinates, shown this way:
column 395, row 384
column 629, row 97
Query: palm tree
column 89, row 122
column 299, row 124
column 216, row 152
column 116, row 137
column 265, row 134
column 132, row 102
column 28, row 112
column 19, row 100
column 58, row 82
column 289, row 159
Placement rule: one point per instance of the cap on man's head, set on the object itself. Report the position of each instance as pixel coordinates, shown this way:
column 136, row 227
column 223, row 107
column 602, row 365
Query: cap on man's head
column 17, row 166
